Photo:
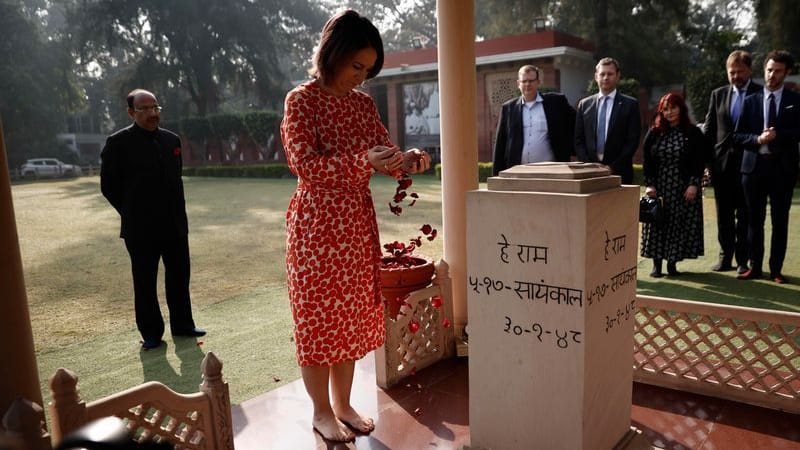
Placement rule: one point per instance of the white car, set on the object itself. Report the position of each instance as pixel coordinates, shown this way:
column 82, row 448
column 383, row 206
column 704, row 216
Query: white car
column 48, row 168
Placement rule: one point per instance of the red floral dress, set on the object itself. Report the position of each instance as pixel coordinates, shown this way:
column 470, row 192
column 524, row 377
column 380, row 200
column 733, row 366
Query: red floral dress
column 332, row 245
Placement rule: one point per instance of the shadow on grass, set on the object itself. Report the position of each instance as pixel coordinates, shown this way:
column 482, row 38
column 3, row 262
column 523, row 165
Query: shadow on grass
column 713, row 287
column 156, row 367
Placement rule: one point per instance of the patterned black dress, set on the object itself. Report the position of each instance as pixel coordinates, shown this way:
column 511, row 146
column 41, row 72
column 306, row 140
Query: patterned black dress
column 673, row 161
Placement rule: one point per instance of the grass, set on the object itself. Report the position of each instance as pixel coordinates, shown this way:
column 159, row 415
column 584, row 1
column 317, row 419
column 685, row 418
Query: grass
column 77, row 275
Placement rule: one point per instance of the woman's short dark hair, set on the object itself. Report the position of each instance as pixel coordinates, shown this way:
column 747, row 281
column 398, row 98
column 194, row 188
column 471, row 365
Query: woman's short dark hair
column 342, row 36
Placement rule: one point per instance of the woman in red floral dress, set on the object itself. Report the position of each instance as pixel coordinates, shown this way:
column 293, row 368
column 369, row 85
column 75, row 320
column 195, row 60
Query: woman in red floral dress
column 334, row 143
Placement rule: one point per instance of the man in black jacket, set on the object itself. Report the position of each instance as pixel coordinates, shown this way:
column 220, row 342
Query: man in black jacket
column 724, row 110
column 534, row 127
column 141, row 178
column 608, row 125
column 769, row 132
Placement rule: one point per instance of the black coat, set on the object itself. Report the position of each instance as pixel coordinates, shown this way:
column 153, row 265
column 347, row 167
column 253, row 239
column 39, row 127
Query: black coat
column 140, row 176
column 509, row 140
column 751, row 124
column 691, row 164
column 719, row 129
column 622, row 136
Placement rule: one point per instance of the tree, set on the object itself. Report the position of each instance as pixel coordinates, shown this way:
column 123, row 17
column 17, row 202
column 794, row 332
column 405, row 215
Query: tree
column 36, row 82
column 778, row 26
column 203, row 47
column 495, row 18
column 401, row 23
column 714, row 35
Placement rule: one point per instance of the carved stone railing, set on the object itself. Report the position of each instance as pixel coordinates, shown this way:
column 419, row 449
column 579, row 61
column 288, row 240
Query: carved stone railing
column 743, row 354
column 23, row 427
column 152, row 411
column 407, row 350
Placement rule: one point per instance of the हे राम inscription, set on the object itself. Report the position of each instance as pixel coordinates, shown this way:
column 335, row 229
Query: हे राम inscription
column 614, row 245
column 525, row 253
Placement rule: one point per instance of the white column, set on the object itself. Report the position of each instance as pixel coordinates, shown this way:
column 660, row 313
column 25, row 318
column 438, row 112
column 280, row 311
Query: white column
column 459, row 139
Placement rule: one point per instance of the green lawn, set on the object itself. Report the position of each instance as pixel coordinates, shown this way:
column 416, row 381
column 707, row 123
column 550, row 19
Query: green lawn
column 78, row 281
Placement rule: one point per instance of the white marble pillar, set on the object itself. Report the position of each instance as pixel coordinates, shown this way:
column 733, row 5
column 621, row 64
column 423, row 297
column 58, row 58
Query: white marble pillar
column 459, row 139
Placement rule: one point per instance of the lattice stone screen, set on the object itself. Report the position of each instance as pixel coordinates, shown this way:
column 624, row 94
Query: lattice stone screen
column 743, row 354
column 500, row 88
column 407, row 350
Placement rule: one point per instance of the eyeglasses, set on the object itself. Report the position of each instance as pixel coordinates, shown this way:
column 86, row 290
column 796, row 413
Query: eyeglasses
column 147, row 109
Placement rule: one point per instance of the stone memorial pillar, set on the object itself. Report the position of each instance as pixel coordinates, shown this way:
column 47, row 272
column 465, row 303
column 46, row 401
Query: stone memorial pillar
column 551, row 266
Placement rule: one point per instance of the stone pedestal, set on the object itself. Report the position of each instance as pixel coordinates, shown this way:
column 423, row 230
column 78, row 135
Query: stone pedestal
column 551, row 265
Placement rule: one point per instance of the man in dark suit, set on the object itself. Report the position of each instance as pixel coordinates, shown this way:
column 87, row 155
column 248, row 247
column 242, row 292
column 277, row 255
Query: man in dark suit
column 608, row 125
column 140, row 176
column 535, row 127
column 769, row 131
column 725, row 163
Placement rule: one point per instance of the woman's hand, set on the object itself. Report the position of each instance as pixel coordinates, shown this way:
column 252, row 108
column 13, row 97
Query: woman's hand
column 385, row 159
column 650, row 191
column 416, row 161
column 691, row 193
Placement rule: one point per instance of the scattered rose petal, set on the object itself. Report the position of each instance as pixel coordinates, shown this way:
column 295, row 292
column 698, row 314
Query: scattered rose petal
column 413, row 195
column 413, row 202
column 199, row 342
column 413, row 326
column 418, row 412
column 414, row 370
column 436, row 301
column 446, row 322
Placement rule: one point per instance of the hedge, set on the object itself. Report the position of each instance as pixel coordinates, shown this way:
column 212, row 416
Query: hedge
column 242, row 171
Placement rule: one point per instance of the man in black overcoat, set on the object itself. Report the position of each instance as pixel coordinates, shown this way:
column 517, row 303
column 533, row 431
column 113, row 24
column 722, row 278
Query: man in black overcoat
column 141, row 178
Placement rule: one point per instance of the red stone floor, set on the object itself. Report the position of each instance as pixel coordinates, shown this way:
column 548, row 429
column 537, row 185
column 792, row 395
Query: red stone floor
column 430, row 411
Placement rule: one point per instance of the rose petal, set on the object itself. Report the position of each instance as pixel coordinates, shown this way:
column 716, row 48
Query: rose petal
column 413, row 326
column 446, row 323
column 436, row 301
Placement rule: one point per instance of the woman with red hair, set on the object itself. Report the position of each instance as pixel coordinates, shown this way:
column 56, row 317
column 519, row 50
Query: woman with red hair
column 674, row 150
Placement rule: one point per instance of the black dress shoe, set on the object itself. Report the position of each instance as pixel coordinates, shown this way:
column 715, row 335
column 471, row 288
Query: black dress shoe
column 722, row 266
column 778, row 278
column 742, row 269
column 656, row 273
column 148, row 344
column 194, row 332
column 751, row 274
column 672, row 269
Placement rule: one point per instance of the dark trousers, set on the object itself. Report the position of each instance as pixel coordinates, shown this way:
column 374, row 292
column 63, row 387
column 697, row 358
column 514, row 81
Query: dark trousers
column 145, row 255
column 731, row 215
column 768, row 180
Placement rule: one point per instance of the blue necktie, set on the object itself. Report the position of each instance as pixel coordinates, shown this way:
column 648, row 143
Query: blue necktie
column 601, row 129
column 737, row 106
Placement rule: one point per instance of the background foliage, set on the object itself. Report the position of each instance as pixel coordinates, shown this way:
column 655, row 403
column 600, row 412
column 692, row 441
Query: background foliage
column 78, row 58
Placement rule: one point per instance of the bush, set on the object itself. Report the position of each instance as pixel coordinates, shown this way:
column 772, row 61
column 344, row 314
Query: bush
column 243, row 171
column 484, row 171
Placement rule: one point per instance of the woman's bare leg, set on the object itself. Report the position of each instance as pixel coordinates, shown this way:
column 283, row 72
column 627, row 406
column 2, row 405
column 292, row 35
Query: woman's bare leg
column 316, row 379
column 341, row 385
